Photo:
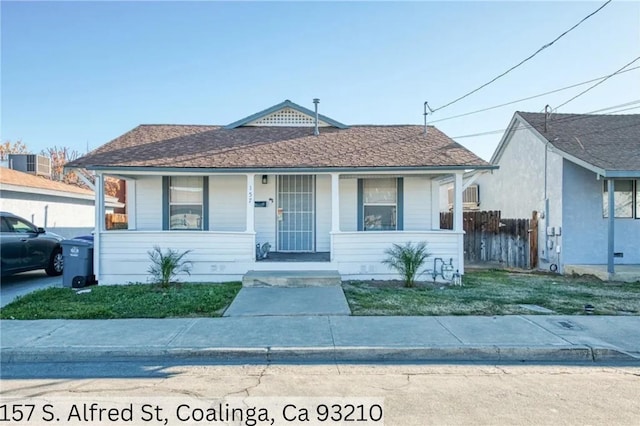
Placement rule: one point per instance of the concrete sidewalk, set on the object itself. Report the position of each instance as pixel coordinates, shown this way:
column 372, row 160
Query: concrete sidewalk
column 533, row 338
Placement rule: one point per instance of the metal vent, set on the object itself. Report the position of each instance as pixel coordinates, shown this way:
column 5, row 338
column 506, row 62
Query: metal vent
column 470, row 197
column 286, row 117
column 31, row 163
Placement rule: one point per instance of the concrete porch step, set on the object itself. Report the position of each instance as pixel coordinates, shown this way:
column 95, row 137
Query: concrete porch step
column 291, row 279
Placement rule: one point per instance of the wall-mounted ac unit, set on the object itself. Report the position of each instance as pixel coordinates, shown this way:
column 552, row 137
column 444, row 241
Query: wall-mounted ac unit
column 31, row 163
column 470, row 198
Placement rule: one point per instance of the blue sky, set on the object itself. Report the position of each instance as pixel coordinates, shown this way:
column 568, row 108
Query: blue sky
column 79, row 74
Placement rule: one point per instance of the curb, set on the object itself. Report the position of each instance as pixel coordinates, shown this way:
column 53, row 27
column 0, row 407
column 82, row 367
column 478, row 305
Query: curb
column 564, row 354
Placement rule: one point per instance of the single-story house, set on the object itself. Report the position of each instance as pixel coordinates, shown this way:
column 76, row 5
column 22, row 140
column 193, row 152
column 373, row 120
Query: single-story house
column 581, row 173
column 64, row 209
column 323, row 195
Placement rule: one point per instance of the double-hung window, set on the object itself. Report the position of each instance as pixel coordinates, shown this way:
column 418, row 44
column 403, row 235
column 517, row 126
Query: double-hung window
column 186, row 202
column 626, row 198
column 381, row 204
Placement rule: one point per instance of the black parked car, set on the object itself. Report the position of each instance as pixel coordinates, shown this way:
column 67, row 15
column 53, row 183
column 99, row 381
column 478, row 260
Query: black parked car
column 25, row 247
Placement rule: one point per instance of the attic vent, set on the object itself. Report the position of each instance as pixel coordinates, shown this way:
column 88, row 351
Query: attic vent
column 286, row 117
column 470, row 198
column 31, row 163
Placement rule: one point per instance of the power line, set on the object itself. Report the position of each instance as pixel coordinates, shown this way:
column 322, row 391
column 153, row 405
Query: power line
column 598, row 83
column 617, row 106
column 625, row 109
column 581, row 116
column 530, row 97
column 524, row 60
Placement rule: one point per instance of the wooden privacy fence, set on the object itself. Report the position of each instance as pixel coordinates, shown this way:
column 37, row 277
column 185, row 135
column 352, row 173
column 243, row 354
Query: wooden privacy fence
column 490, row 239
column 116, row 221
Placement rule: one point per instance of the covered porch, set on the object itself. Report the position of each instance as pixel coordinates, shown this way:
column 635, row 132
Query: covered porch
column 332, row 225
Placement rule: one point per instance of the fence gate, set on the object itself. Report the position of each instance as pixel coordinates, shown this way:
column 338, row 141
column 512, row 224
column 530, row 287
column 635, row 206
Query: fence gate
column 490, row 239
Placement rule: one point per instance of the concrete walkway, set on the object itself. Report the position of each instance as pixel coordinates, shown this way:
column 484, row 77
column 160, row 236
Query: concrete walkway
column 270, row 301
column 531, row 338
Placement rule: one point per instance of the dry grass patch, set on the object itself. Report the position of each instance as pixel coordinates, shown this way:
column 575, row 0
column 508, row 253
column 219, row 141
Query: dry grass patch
column 494, row 293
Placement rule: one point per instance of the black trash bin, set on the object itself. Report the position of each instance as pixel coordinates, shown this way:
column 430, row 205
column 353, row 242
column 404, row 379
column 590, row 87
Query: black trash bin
column 78, row 263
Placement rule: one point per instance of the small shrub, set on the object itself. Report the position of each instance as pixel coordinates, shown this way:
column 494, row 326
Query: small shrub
column 407, row 259
column 166, row 266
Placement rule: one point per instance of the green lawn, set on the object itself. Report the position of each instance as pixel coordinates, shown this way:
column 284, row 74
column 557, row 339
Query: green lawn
column 124, row 301
column 483, row 293
column 494, row 293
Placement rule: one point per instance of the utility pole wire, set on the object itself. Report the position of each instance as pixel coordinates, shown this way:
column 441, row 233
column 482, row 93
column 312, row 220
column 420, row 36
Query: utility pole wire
column 524, row 60
column 530, row 97
column 578, row 117
column 598, row 83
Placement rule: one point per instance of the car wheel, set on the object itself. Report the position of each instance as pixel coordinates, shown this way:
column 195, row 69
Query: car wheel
column 56, row 263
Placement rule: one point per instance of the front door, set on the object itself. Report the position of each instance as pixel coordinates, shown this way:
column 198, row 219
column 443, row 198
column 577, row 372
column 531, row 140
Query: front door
column 296, row 213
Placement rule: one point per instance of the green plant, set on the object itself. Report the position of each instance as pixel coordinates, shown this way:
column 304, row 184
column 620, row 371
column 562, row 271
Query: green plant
column 407, row 259
column 166, row 266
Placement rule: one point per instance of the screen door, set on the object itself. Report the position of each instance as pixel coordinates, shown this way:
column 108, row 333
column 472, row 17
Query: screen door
column 295, row 213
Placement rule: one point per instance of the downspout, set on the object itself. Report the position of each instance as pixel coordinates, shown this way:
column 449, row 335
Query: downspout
column 549, row 241
column 611, row 228
column 547, row 111
column 547, row 115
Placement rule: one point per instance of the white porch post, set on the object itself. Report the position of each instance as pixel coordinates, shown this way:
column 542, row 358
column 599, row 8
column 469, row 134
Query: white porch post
column 250, row 202
column 335, row 208
column 457, row 203
column 335, row 202
column 99, row 223
column 458, row 219
column 435, row 204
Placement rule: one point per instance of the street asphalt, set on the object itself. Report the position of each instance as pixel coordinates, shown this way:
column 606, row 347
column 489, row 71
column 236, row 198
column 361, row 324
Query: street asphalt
column 278, row 325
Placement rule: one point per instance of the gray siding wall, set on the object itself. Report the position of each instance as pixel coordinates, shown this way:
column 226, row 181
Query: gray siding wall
column 517, row 188
column 417, row 203
column 586, row 228
column 323, row 213
column 65, row 216
column 227, row 195
column 227, row 199
column 264, row 217
column 61, row 212
column 149, row 203
column 348, row 205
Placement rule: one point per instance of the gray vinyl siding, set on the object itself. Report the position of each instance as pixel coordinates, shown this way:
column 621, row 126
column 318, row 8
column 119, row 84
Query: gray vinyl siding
column 149, row 203
column 227, row 198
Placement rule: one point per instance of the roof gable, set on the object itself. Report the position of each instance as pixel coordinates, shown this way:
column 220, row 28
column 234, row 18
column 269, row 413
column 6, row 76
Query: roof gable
column 286, row 114
column 606, row 144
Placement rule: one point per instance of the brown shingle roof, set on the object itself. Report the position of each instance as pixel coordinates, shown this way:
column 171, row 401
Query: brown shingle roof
column 280, row 147
column 14, row 177
column 609, row 142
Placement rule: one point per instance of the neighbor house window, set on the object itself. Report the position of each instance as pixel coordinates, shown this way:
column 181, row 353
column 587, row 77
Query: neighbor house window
column 623, row 196
column 186, row 202
column 380, row 204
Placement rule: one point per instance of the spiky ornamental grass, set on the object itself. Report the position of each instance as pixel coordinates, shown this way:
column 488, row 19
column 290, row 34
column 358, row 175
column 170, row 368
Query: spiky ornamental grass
column 407, row 259
column 166, row 266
